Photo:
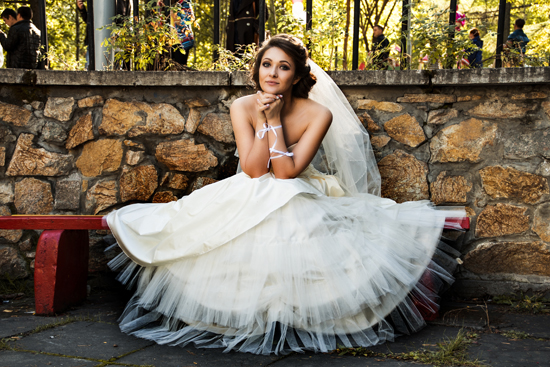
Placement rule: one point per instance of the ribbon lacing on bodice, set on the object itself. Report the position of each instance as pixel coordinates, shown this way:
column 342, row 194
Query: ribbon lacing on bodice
column 261, row 134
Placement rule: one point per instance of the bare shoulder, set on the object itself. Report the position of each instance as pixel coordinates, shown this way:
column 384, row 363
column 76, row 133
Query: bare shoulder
column 244, row 103
column 319, row 113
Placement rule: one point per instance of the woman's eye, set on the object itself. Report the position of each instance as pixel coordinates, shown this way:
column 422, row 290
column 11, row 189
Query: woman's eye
column 284, row 67
column 265, row 65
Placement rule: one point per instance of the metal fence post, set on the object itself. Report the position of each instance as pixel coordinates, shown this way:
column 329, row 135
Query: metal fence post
column 43, row 34
column 500, row 33
column 356, row 15
column 261, row 19
column 216, row 30
column 405, row 12
column 91, row 35
column 452, row 25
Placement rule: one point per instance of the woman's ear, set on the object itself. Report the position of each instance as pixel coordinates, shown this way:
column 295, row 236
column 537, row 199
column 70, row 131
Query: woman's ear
column 296, row 80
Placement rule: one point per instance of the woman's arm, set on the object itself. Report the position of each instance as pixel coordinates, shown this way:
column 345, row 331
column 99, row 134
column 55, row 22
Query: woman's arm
column 290, row 166
column 253, row 151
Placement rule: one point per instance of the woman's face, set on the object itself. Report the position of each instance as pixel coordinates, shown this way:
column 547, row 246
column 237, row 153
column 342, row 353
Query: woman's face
column 471, row 35
column 277, row 72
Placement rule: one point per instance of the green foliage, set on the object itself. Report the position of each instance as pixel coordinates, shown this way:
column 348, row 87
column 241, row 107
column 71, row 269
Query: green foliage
column 513, row 334
column 15, row 286
column 144, row 43
column 524, row 303
column 450, row 352
column 432, row 37
column 228, row 61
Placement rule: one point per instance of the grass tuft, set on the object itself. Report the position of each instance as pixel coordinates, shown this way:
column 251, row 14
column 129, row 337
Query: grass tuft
column 524, row 303
column 451, row 352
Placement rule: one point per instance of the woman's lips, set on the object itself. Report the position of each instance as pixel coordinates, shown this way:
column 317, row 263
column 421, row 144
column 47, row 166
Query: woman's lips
column 271, row 83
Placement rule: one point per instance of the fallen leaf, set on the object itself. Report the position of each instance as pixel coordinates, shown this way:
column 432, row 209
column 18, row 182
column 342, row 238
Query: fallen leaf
column 7, row 311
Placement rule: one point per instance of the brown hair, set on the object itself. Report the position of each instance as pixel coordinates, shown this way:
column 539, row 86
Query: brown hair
column 294, row 48
column 475, row 32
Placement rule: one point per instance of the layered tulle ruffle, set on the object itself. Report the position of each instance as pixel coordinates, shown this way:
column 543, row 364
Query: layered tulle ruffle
column 282, row 266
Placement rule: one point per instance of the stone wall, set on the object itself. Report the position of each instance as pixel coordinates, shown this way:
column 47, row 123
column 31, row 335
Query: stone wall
column 86, row 143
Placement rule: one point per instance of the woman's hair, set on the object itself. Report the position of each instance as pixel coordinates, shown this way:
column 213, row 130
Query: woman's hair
column 475, row 32
column 294, row 48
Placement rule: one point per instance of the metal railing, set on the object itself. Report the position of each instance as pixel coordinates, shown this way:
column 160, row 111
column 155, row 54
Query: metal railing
column 405, row 27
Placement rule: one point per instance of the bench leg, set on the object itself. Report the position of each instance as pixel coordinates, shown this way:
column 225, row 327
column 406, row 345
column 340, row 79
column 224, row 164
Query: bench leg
column 60, row 270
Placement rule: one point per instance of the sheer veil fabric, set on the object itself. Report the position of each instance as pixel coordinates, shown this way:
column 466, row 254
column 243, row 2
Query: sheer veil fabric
column 264, row 265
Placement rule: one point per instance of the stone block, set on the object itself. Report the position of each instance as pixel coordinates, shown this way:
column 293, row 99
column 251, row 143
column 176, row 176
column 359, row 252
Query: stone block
column 462, row 142
column 218, row 126
column 541, row 222
column 59, row 108
column 509, row 257
column 6, row 192
column 197, row 102
column 53, row 132
column 193, row 120
column 29, row 161
column 200, row 182
column 100, row 156
column 133, row 157
column 67, row 193
column 6, row 135
column 92, row 101
column 450, row 189
column 530, row 95
column 440, row 117
column 162, row 119
column 134, row 144
column 528, row 145
column 138, row 118
column 546, row 107
column 468, row 98
column 405, row 129
column 101, row 196
column 544, row 169
column 37, row 105
column 368, row 123
column 176, row 181
column 81, row 132
column 379, row 141
column 427, row 98
column 501, row 220
column 26, row 245
column 185, row 155
column 33, row 196
column 403, row 177
column 14, row 115
column 369, row 104
column 119, row 117
column 138, row 183
column 12, row 264
column 509, row 183
column 10, row 235
column 164, row 197
column 497, row 109
column 2, row 156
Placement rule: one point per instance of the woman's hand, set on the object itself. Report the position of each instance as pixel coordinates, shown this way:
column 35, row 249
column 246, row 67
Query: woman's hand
column 271, row 106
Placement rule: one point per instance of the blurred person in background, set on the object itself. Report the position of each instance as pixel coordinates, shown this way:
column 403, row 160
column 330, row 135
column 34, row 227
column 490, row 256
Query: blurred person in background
column 22, row 43
column 475, row 55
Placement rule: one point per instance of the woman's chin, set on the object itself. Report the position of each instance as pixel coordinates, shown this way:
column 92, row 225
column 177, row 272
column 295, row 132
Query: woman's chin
column 272, row 89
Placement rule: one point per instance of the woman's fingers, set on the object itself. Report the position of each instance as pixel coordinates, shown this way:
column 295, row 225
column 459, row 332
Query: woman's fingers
column 266, row 98
column 261, row 106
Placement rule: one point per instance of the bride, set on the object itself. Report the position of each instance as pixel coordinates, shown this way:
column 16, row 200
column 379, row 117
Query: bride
column 295, row 252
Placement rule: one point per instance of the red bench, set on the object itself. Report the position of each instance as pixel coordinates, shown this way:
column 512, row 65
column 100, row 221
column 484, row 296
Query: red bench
column 61, row 263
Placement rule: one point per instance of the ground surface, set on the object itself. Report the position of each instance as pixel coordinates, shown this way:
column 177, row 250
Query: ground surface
column 88, row 335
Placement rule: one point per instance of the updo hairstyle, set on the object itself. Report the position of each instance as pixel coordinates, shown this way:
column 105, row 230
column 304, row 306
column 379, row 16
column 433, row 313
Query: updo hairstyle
column 294, row 48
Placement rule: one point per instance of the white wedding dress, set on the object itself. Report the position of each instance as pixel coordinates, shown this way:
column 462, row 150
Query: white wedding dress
column 265, row 265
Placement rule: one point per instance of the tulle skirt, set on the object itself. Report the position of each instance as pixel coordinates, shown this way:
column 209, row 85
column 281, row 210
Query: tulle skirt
column 271, row 266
